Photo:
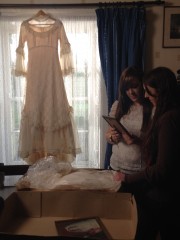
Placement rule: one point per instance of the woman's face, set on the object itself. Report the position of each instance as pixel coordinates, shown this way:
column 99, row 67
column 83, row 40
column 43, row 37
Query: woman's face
column 133, row 94
column 152, row 94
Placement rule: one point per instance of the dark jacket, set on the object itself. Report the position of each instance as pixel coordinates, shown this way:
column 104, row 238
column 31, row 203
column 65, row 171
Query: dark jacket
column 160, row 180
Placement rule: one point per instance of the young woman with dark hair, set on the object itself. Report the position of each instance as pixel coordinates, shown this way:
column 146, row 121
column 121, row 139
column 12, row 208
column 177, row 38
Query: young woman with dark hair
column 157, row 186
column 134, row 112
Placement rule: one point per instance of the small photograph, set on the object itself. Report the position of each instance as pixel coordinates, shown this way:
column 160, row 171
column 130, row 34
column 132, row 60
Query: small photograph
column 89, row 228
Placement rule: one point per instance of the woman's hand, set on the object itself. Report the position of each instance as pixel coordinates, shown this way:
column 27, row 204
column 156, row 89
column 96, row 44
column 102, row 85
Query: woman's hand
column 119, row 176
column 112, row 136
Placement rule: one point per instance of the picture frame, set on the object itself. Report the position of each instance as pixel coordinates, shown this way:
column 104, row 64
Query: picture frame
column 113, row 122
column 171, row 27
column 88, row 228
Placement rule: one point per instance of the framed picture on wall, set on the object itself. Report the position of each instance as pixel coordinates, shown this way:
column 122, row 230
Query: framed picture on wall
column 171, row 27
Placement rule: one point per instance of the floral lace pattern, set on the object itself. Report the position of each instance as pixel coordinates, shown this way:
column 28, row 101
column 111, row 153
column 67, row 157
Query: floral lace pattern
column 127, row 158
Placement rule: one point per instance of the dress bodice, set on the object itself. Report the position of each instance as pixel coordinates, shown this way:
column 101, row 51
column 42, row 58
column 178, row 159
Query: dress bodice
column 47, row 36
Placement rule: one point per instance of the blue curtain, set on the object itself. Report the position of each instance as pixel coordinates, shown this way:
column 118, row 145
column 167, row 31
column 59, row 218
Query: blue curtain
column 121, row 36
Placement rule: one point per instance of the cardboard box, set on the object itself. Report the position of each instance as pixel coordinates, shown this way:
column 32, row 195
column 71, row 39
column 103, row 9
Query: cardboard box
column 33, row 213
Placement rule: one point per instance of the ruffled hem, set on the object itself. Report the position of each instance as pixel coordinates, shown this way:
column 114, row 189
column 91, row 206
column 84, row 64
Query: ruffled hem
column 31, row 158
column 65, row 151
column 34, row 143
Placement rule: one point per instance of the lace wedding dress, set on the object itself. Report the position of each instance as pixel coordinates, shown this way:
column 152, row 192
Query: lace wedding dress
column 47, row 124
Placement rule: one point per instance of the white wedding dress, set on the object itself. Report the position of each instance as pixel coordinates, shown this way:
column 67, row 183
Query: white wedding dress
column 47, row 123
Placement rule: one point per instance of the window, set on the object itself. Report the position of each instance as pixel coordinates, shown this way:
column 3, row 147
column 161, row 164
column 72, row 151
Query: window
column 85, row 89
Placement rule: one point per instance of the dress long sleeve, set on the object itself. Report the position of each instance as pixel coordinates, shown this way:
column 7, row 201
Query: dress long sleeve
column 66, row 57
column 20, row 66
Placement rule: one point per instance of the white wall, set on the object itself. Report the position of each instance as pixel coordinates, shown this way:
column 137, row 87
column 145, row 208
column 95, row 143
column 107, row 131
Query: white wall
column 156, row 55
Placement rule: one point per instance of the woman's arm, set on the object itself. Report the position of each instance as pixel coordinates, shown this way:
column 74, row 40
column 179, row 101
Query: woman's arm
column 164, row 169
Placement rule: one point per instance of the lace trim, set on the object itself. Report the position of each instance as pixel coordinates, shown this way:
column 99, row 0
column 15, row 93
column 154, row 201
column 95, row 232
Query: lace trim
column 18, row 73
column 57, row 125
column 45, row 33
column 20, row 68
column 53, row 152
column 66, row 49
column 33, row 157
column 67, row 72
column 20, row 51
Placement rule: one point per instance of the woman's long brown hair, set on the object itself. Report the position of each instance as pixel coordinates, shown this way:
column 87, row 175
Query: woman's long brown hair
column 164, row 81
column 131, row 77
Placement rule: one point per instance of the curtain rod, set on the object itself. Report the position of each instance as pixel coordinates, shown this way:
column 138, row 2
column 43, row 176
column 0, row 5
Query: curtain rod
column 84, row 5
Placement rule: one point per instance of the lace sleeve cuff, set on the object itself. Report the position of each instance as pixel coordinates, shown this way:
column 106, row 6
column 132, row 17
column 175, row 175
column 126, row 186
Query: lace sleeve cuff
column 20, row 69
column 67, row 64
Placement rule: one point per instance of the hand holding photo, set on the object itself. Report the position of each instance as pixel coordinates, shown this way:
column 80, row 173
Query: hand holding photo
column 113, row 122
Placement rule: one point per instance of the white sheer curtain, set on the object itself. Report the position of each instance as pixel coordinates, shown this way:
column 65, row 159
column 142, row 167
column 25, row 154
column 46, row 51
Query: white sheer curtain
column 85, row 89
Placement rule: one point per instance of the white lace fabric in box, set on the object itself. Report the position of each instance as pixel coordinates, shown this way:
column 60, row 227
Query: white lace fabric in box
column 49, row 174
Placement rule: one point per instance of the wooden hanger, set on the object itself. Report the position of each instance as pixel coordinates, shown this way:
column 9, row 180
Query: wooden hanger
column 41, row 14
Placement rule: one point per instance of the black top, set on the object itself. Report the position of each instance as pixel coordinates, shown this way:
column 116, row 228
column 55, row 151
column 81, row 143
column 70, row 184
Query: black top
column 162, row 178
